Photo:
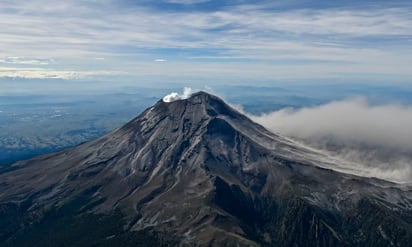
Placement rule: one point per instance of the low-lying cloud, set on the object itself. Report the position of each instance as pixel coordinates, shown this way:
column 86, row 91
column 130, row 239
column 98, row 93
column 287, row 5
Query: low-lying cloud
column 352, row 120
column 378, row 138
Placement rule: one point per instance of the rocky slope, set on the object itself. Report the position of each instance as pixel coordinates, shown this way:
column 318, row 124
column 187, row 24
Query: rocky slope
column 196, row 172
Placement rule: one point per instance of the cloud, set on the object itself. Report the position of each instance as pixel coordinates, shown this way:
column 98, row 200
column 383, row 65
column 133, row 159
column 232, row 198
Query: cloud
column 186, row 2
column 187, row 92
column 372, row 140
column 351, row 120
column 160, row 60
column 25, row 60
column 283, row 42
column 41, row 73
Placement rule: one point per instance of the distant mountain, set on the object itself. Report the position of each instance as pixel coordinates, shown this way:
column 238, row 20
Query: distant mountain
column 196, row 172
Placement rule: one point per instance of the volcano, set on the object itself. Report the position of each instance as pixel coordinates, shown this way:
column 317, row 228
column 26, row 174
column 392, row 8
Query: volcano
column 196, row 172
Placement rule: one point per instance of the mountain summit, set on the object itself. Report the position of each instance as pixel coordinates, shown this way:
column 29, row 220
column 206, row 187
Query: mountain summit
column 196, row 172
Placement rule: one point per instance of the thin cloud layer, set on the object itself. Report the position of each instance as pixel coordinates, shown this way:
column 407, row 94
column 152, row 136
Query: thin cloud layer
column 186, row 2
column 42, row 73
column 280, row 41
column 25, row 60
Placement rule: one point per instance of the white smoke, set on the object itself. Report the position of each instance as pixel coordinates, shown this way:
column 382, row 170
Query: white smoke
column 187, row 92
column 376, row 137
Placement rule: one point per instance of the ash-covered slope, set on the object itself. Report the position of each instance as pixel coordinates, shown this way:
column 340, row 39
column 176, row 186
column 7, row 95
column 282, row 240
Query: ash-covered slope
column 196, row 172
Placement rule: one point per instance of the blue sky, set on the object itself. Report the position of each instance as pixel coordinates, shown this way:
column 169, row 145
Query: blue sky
column 202, row 42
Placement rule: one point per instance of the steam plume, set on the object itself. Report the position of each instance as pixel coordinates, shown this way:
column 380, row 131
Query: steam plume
column 187, row 91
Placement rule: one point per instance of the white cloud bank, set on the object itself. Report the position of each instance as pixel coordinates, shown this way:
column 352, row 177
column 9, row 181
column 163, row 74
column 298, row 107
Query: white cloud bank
column 376, row 140
column 351, row 120
column 187, row 92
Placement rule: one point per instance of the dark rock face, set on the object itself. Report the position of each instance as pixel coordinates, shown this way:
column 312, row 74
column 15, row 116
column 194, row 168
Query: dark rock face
column 196, row 172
